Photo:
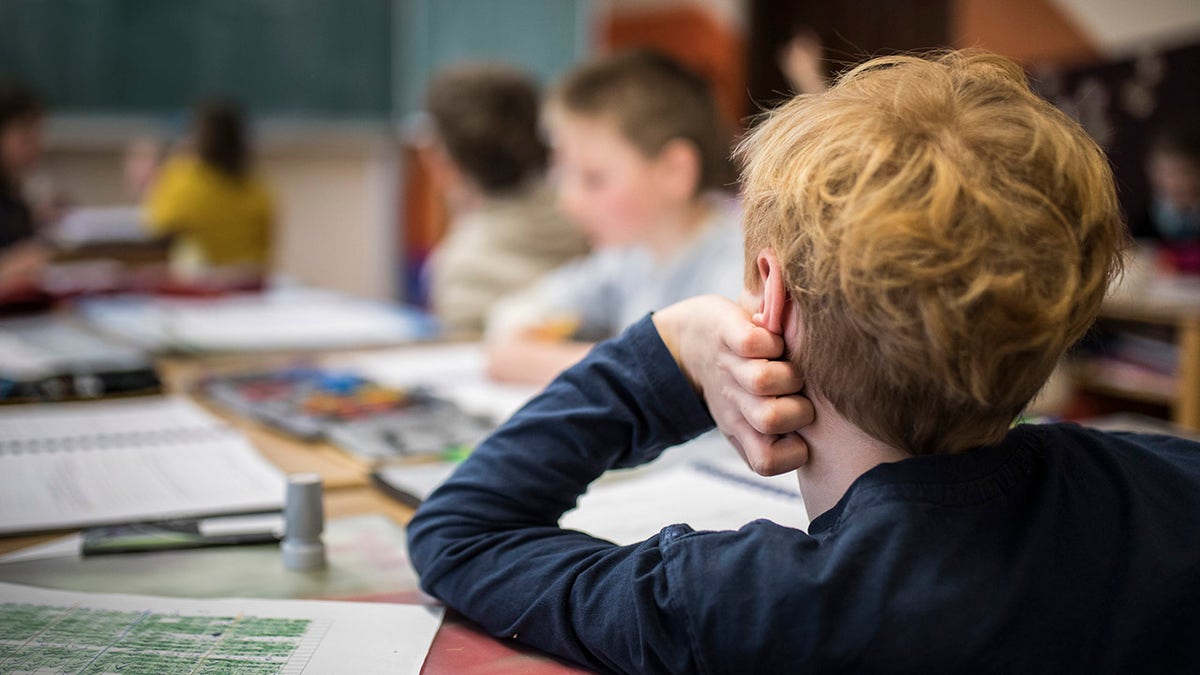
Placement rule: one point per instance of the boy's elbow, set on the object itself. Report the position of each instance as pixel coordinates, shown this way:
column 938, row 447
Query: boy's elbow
column 422, row 540
column 433, row 533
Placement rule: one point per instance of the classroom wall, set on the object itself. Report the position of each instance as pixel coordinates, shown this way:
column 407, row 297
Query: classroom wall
column 1030, row 31
column 335, row 191
column 1121, row 28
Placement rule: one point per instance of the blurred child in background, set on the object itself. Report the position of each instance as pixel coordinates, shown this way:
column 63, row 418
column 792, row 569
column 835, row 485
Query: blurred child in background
column 641, row 160
column 143, row 161
column 486, row 155
column 1173, row 220
column 210, row 201
column 21, row 256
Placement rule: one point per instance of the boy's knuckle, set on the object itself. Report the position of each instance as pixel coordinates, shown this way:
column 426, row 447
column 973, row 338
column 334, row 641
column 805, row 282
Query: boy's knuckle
column 768, row 419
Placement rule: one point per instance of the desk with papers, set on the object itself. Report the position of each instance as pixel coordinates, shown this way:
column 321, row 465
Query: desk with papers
column 703, row 483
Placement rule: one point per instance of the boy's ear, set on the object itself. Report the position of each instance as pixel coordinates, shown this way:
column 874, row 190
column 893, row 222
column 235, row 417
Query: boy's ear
column 679, row 168
column 775, row 297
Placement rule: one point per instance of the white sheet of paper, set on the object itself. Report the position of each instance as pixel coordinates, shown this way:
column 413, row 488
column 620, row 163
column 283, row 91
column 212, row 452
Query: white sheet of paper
column 704, row 495
column 283, row 318
column 455, row 372
column 297, row 636
column 45, row 346
column 78, row 464
column 628, row 507
column 100, row 225
column 418, row 480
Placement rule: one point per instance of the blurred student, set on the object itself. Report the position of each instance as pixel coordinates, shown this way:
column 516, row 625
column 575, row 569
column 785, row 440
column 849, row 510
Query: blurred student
column 22, row 257
column 1173, row 220
column 800, row 61
column 641, row 158
column 209, row 200
column 142, row 164
column 487, row 157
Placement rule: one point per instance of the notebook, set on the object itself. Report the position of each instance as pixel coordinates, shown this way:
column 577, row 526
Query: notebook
column 69, row 465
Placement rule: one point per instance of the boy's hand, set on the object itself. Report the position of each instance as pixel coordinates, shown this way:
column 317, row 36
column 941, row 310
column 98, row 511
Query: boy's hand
column 754, row 399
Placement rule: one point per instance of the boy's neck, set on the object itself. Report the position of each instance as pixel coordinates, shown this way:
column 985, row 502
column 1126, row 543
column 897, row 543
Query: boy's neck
column 838, row 453
column 671, row 234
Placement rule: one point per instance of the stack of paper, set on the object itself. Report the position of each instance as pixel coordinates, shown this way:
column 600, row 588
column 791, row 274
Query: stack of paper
column 68, row 465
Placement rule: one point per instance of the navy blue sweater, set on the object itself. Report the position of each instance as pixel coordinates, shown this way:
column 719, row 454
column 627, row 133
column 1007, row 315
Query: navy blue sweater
column 1059, row 550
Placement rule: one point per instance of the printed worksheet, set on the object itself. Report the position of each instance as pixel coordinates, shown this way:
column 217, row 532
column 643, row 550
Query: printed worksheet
column 45, row 631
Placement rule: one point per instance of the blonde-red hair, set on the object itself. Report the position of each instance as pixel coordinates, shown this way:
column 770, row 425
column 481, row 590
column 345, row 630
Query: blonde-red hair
column 947, row 235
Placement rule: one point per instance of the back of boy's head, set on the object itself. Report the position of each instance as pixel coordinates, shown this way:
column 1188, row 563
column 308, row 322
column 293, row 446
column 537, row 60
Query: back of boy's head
column 653, row 100
column 221, row 136
column 947, row 235
column 486, row 117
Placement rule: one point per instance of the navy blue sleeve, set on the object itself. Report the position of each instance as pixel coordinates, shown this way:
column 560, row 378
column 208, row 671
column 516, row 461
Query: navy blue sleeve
column 488, row 543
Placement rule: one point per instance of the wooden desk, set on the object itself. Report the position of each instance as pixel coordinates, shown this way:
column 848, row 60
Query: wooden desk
column 460, row 647
column 336, row 468
column 347, row 485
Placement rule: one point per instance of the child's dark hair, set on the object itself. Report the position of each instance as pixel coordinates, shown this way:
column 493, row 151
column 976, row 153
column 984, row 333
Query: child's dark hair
column 221, row 137
column 18, row 102
column 654, row 100
column 486, row 117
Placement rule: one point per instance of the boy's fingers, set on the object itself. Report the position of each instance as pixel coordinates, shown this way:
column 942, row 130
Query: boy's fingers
column 780, row 415
column 765, row 378
column 769, row 455
column 771, row 414
column 746, row 340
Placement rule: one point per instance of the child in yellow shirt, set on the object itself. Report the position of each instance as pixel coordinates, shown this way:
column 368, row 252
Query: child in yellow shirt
column 218, row 211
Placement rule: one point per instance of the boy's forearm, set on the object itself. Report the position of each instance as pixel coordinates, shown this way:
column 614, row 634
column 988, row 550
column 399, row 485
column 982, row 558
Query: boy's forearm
column 487, row 542
column 621, row 406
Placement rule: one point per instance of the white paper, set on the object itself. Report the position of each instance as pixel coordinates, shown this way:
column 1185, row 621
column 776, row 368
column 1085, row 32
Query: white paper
column 628, row 507
column 69, row 465
column 321, row 637
column 253, row 523
column 99, row 225
column 417, row 480
column 287, row 318
column 87, row 419
column 704, row 495
column 45, row 346
column 456, row 372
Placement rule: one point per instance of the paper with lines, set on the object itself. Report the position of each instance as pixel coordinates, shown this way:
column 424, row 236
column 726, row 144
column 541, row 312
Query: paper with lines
column 69, row 465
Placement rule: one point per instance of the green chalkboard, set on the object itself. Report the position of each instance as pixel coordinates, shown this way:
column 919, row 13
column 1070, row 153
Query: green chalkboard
column 543, row 37
column 332, row 59
column 280, row 58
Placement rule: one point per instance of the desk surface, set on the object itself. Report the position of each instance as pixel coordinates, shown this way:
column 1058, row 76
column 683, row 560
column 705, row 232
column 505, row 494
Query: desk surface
column 347, row 486
column 460, row 646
